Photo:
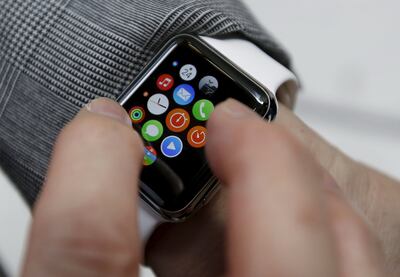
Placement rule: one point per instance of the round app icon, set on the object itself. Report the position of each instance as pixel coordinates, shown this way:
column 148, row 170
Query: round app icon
column 197, row 136
column 203, row 109
column 171, row 146
column 137, row 114
column 158, row 104
column 152, row 130
column 184, row 94
column 177, row 120
column 208, row 85
column 150, row 156
column 188, row 72
column 165, row 82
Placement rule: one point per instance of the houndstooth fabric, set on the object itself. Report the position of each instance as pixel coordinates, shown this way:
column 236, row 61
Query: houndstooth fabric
column 57, row 55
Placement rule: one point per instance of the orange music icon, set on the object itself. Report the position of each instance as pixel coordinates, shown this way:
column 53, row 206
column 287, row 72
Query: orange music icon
column 165, row 82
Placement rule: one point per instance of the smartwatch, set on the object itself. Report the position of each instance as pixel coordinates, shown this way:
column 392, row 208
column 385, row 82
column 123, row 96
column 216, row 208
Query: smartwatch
column 169, row 104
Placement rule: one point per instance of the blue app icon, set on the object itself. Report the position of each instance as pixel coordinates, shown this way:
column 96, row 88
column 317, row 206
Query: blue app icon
column 171, row 146
column 184, row 94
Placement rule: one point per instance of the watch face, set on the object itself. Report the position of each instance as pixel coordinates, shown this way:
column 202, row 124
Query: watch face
column 169, row 105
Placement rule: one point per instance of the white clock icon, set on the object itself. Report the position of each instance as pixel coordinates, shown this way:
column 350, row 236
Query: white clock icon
column 158, row 104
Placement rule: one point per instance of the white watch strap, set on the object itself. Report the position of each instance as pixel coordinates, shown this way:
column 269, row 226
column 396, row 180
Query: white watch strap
column 252, row 60
column 148, row 221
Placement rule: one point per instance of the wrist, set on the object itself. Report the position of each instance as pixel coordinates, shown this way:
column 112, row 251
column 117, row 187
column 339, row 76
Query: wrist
column 383, row 212
column 287, row 94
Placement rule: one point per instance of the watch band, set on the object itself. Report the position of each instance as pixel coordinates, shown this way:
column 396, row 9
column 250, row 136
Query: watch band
column 256, row 63
column 148, row 221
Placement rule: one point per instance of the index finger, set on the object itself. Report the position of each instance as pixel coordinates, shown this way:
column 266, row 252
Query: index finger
column 277, row 222
column 84, row 222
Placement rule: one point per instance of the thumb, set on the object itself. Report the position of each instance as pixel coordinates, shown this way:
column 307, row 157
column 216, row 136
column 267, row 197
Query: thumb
column 84, row 222
column 276, row 222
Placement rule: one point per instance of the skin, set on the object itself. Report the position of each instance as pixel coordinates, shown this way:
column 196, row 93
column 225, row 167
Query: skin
column 277, row 224
column 372, row 194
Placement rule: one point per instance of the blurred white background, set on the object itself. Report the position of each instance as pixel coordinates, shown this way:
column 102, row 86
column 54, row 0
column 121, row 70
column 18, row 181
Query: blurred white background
column 346, row 54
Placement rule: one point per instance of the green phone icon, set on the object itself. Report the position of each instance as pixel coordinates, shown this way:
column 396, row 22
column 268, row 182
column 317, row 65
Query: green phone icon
column 203, row 109
column 152, row 130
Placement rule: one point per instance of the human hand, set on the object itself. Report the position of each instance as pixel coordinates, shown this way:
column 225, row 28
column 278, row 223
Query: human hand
column 375, row 195
column 65, row 219
column 84, row 222
column 285, row 214
column 199, row 242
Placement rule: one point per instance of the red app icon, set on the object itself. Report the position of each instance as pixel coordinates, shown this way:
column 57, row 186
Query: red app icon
column 197, row 136
column 165, row 82
column 177, row 120
column 150, row 156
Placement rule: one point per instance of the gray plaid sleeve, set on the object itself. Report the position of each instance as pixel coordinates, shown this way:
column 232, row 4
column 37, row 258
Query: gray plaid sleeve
column 57, row 55
column 2, row 273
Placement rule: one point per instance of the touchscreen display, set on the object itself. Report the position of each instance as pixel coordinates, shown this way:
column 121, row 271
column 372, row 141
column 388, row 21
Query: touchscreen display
column 170, row 108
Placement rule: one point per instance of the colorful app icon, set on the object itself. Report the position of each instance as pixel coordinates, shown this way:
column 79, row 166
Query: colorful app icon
column 171, row 146
column 152, row 130
column 137, row 114
column 197, row 136
column 208, row 85
column 188, row 72
column 158, row 104
column 150, row 156
column 177, row 120
column 165, row 82
column 203, row 109
column 184, row 94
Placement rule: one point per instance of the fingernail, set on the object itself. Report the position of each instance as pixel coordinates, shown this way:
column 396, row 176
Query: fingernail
column 235, row 109
column 110, row 109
